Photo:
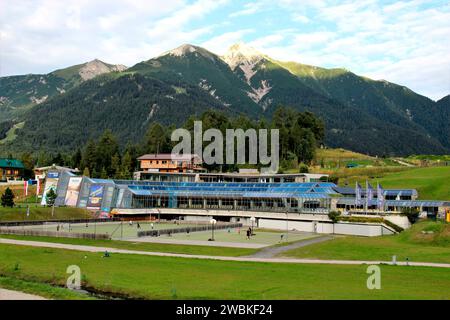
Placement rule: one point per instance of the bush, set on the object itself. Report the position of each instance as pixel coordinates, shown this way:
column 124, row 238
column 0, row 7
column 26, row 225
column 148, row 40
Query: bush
column 51, row 197
column 8, row 198
column 411, row 213
column 334, row 216
column 303, row 168
column 361, row 219
column 334, row 179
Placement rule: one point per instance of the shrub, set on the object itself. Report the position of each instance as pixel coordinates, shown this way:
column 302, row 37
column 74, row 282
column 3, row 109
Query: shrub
column 8, row 198
column 411, row 213
column 303, row 168
column 334, row 216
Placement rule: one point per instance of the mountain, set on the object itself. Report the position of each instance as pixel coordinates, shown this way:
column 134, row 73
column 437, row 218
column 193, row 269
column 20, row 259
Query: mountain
column 199, row 67
column 364, row 115
column 20, row 93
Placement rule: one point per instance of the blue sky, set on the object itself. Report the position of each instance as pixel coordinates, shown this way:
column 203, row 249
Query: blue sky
column 406, row 42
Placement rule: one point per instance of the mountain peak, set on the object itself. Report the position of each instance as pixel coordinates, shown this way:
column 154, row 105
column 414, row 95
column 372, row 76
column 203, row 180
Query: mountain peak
column 96, row 67
column 187, row 49
column 241, row 53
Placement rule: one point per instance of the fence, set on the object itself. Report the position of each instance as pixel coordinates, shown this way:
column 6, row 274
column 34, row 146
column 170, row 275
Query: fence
column 40, row 233
column 156, row 233
column 40, row 222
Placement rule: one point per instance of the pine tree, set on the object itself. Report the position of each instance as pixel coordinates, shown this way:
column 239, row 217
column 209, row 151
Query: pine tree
column 51, row 197
column 107, row 147
column 103, row 174
column 156, row 139
column 115, row 166
column 125, row 172
column 76, row 159
column 89, row 156
column 8, row 198
column 86, row 172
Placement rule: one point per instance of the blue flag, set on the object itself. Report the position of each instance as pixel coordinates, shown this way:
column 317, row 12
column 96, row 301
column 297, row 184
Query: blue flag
column 369, row 193
column 380, row 197
column 358, row 193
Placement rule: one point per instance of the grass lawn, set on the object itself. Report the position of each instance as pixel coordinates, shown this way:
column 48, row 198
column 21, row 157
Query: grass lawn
column 143, row 246
column 147, row 277
column 412, row 244
column 41, row 289
column 430, row 182
column 42, row 213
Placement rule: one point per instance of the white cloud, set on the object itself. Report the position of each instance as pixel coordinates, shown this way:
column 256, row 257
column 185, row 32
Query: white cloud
column 402, row 41
column 249, row 8
column 221, row 43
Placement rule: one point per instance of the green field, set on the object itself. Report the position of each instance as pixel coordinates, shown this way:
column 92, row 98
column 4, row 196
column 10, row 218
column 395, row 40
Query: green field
column 412, row 244
column 42, row 213
column 430, row 182
column 147, row 277
column 143, row 246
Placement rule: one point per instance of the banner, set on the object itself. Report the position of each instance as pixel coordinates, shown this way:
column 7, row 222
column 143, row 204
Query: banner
column 50, row 183
column 380, row 197
column 38, row 187
column 95, row 197
column 358, row 196
column 73, row 191
column 369, row 193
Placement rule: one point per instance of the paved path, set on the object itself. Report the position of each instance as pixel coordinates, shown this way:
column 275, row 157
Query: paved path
column 17, row 295
column 201, row 243
column 271, row 252
column 403, row 163
column 178, row 255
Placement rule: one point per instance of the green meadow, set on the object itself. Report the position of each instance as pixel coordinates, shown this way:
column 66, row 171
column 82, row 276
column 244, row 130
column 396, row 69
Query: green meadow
column 134, row 276
column 426, row 241
column 142, row 246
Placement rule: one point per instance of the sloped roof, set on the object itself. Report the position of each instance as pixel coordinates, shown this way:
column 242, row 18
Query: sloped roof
column 11, row 163
column 168, row 156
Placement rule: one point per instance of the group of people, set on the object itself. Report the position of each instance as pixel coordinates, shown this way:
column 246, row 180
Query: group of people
column 61, row 227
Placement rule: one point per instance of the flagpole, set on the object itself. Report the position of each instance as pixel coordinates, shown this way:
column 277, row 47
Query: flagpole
column 367, row 196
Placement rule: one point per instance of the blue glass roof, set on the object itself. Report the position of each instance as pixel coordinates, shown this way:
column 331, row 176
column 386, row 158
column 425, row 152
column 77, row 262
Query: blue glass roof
column 246, row 190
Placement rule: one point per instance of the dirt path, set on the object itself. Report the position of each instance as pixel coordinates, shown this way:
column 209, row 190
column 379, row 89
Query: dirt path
column 403, row 163
column 271, row 252
column 17, row 295
column 191, row 256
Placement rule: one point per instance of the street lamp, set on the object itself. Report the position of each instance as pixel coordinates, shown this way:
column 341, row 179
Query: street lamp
column 212, row 222
column 287, row 225
column 252, row 219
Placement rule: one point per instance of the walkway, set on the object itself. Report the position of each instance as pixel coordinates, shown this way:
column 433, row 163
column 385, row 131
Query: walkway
column 200, row 243
column 191, row 256
column 403, row 163
column 271, row 252
column 17, row 295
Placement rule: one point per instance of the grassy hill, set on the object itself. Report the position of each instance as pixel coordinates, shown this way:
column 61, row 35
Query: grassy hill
column 430, row 182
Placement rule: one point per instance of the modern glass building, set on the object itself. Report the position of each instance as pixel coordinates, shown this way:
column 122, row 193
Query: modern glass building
column 103, row 195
